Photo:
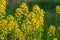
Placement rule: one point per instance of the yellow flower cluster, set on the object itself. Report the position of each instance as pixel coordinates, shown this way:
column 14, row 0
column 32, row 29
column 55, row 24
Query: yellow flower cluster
column 39, row 15
column 7, row 25
column 12, row 24
column 2, row 8
column 32, row 25
column 58, row 9
column 36, row 8
column 24, row 7
column 51, row 31
column 55, row 39
column 18, row 34
column 2, row 5
column 34, row 21
column 21, row 11
column 3, row 22
column 3, row 29
column 1, row 37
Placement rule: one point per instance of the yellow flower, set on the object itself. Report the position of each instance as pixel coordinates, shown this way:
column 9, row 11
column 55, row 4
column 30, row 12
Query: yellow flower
column 12, row 25
column 2, row 5
column 58, row 9
column 36, row 8
column 10, row 17
column 3, row 2
column 29, row 28
column 33, row 20
column 19, row 10
column 51, row 30
column 4, row 22
column 18, row 33
column 23, row 5
column 2, row 14
column 2, row 38
column 24, row 27
column 55, row 39
column 29, row 15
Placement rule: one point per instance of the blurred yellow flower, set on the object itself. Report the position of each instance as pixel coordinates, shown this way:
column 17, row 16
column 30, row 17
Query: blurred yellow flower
column 36, row 8
column 2, row 5
column 1, row 37
column 24, row 27
column 18, row 34
column 12, row 25
column 24, row 7
column 25, row 24
column 58, row 9
column 51, row 30
column 4, row 22
column 10, row 17
column 55, row 39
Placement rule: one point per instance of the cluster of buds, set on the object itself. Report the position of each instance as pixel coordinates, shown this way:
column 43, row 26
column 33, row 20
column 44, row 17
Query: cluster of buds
column 51, row 31
column 2, row 8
